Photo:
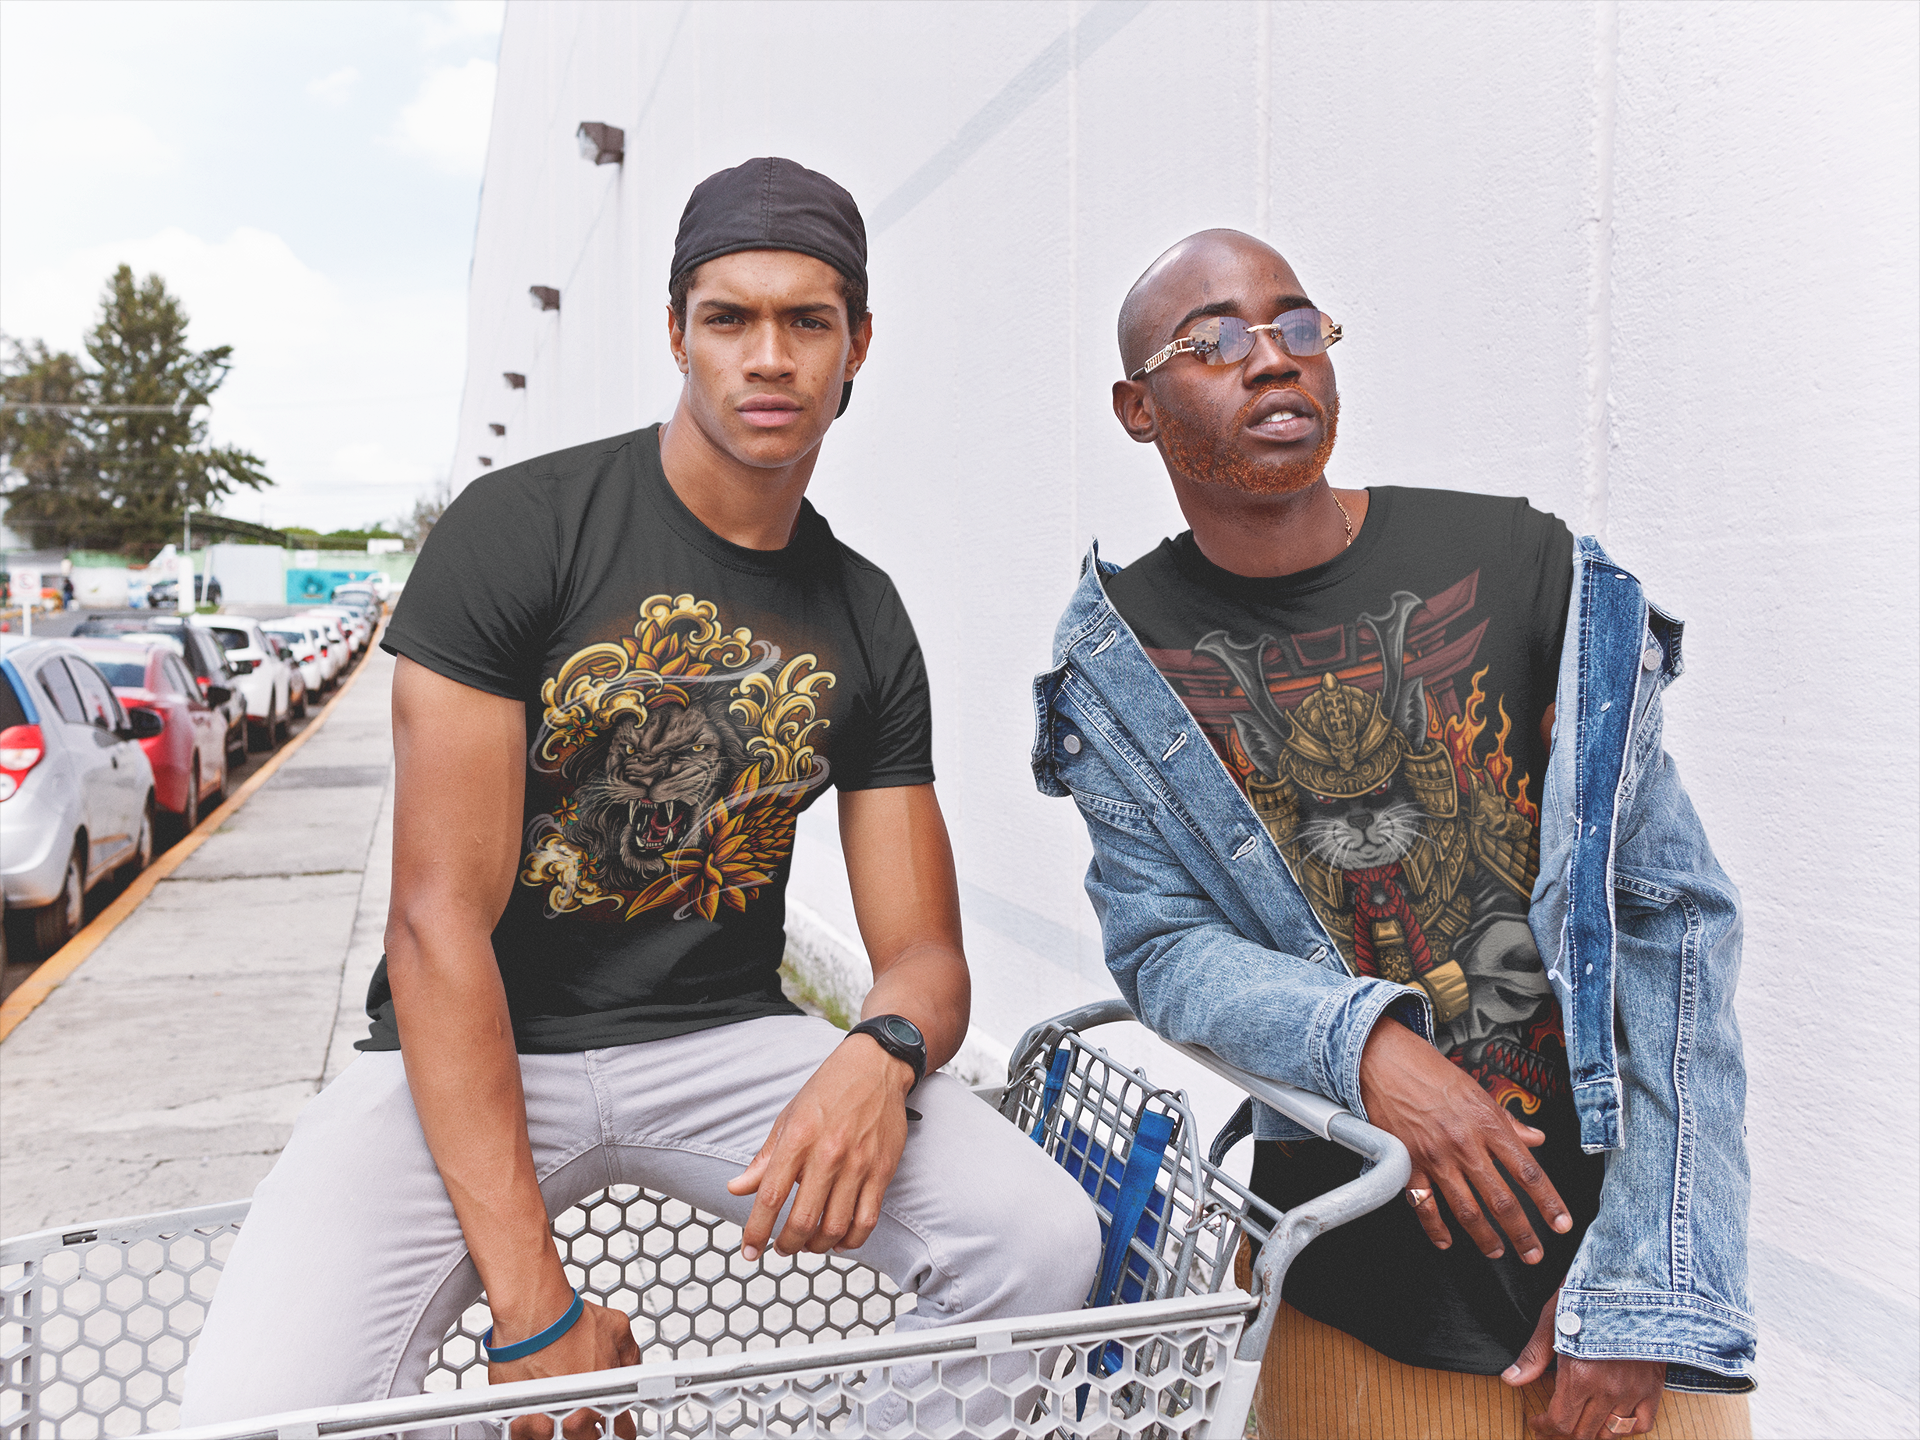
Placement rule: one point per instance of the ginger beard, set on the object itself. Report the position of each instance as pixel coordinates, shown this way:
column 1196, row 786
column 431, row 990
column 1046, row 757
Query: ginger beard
column 1210, row 458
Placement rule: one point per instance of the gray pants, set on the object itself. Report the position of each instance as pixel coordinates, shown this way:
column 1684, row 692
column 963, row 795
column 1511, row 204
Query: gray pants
column 351, row 1267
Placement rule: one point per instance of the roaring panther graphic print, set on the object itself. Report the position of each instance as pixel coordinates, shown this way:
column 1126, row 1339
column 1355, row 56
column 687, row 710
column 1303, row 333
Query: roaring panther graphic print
column 683, row 754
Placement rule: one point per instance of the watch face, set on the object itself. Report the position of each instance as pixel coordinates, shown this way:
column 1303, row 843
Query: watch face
column 902, row 1031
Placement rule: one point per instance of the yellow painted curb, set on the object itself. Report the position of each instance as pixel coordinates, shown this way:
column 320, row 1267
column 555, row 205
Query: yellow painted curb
column 68, row 958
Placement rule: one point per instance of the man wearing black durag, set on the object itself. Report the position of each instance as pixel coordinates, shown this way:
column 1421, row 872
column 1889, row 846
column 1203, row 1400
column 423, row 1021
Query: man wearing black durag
column 624, row 670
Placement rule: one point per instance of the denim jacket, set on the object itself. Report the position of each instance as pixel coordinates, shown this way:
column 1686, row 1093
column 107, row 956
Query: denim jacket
column 1213, row 942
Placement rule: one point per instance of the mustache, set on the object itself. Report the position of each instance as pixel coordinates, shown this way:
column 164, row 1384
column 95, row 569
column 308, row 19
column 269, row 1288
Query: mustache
column 1245, row 416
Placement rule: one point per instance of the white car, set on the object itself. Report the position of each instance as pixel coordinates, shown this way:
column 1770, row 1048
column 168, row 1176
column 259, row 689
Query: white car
column 349, row 622
column 303, row 638
column 333, row 642
column 259, row 674
column 76, row 788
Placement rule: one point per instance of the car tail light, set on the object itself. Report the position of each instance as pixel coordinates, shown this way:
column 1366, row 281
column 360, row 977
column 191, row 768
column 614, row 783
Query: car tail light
column 203, row 682
column 20, row 750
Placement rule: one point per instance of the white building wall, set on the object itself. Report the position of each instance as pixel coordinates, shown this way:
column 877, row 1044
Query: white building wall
column 1652, row 266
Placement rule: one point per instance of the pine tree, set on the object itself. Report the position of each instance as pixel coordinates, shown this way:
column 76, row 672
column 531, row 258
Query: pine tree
column 120, row 476
column 59, row 500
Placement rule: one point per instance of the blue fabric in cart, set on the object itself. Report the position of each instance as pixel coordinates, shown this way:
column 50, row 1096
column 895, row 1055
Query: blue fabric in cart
column 1124, row 1190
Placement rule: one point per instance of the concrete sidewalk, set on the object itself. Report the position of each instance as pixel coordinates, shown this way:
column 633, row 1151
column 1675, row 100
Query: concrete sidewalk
column 169, row 1068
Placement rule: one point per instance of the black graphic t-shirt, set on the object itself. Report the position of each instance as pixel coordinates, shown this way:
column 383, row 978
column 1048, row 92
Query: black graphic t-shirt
column 686, row 699
column 1382, row 713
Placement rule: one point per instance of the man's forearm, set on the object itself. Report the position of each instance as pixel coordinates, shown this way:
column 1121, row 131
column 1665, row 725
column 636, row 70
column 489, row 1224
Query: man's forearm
column 457, row 1041
column 929, row 985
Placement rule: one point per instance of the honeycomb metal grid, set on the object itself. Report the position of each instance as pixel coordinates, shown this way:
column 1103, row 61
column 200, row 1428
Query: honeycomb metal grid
column 679, row 1272
column 72, row 1375
column 1108, row 1373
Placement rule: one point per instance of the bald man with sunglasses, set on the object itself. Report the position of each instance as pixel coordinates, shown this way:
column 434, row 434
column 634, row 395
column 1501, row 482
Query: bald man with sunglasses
column 1338, row 839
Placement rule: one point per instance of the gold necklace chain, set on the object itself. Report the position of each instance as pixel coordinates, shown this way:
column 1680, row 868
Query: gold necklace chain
column 1344, row 516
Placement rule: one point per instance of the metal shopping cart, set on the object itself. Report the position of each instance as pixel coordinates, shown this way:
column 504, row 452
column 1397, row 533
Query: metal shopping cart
column 99, row 1319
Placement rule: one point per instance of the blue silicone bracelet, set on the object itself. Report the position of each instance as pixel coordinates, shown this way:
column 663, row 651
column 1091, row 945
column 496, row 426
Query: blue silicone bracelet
column 520, row 1349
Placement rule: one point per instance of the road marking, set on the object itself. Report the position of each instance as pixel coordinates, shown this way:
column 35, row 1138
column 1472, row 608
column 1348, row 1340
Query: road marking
column 68, row 958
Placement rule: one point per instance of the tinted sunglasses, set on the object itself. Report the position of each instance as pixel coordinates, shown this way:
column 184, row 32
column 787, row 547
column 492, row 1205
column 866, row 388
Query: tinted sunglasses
column 1227, row 340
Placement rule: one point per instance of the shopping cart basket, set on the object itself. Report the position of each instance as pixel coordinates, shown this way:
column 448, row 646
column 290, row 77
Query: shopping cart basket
column 99, row 1318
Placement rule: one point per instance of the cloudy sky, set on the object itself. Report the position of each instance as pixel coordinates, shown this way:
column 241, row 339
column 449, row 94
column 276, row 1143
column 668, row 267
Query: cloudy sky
column 304, row 175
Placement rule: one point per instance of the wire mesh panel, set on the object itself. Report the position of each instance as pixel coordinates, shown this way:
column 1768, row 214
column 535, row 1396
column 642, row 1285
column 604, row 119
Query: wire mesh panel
column 99, row 1322
column 1033, row 1377
column 679, row 1272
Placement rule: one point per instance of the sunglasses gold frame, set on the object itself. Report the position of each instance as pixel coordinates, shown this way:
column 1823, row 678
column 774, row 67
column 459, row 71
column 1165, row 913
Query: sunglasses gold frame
column 1194, row 343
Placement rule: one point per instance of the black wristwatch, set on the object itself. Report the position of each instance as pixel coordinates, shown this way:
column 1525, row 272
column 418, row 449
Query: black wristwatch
column 900, row 1038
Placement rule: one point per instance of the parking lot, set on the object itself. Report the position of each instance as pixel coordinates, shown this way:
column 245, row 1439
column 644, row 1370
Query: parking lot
column 166, row 1070
column 21, row 962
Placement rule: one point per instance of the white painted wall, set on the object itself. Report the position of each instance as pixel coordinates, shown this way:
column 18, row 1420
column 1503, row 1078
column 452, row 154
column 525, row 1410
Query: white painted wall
column 1653, row 266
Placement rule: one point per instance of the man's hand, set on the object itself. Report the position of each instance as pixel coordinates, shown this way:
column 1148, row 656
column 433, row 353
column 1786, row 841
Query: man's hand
column 1455, row 1134
column 840, row 1140
column 1592, row 1399
column 601, row 1339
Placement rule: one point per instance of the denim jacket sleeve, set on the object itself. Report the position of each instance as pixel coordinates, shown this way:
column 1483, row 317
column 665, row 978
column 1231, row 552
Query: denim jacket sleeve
column 1661, row 1274
column 1178, row 855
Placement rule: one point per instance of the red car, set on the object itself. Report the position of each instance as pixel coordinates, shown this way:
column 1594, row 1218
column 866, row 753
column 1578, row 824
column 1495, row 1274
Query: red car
column 189, row 755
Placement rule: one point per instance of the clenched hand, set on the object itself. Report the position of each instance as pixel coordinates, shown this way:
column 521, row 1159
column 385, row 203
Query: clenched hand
column 1592, row 1399
column 601, row 1339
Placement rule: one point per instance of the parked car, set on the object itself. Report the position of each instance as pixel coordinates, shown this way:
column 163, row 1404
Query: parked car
column 205, row 661
column 296, row 674
column 302, row 638
column 355, row 591
column 76, row 789
column 164, row 594
column 351, row 624
column 259, row 674
column 189, row 753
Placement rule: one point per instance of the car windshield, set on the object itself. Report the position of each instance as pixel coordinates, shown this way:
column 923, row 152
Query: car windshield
column 231, row 639
column 120, row 673
column 292, row 637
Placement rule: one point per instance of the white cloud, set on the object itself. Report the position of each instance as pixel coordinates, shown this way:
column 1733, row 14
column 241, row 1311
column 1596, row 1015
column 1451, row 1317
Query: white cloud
column 447, row 122
column 461, row 20
column 339, row 392
column 335, row 89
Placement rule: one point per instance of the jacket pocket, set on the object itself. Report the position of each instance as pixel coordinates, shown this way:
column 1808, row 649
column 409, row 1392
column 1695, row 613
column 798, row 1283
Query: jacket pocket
column 1121, row 814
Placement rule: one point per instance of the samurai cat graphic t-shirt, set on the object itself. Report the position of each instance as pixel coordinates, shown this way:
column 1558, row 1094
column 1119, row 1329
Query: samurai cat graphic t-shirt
column 686, row 698
column 1382, row 713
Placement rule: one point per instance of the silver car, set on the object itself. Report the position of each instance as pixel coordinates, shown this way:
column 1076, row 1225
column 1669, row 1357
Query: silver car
column 76, row 791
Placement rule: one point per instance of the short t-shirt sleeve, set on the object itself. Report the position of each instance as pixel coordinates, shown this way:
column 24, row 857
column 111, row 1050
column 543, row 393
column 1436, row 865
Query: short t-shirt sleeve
column 479, row 605
column 893, row 739
column 1547, row 540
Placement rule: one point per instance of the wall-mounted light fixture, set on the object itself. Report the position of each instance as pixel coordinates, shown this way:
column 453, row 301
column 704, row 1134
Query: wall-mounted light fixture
column 545, row 297
column 515, row 380
column 602, row 144
column 497, row 429
column 484, row 459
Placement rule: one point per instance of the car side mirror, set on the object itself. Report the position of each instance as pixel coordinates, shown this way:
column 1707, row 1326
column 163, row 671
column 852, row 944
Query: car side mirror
column 142, row 725
column 218, row 694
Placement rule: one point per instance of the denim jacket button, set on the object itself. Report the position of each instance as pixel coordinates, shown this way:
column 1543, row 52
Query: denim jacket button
column 1071, row 744
column 1650, row 657
column 1568, row 1323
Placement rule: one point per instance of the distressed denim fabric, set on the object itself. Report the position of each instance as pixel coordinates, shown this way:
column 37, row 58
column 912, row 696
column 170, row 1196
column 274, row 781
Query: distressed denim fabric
column 1212, row 942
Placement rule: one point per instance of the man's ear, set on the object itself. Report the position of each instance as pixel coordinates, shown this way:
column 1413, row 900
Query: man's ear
column 857, row 351
column 676, row 340
column 1133, row 407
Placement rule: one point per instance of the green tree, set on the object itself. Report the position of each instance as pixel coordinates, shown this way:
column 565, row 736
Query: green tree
column 58, row 499
column 144, row 441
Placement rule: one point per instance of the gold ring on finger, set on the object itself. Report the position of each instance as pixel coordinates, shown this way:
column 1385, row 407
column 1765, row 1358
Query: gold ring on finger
column 1619, row 1424
column 1417, row 1197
